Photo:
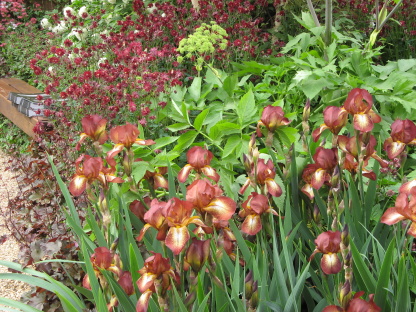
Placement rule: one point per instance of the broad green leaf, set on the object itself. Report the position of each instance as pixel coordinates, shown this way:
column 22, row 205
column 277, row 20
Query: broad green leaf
column 308, row 20
column 312, row 87
column 330, row 51
column 287, row 135
column 185, row 140
column 161, row 142
column 360, row 65
column 199, row 120
column 195, row 89
column 185, row 112
column 139, row 169
column 246, row 109
column 161, row 159
column 230, row 83
column 405, row 65
column 178, row 126
column 222, row 128
column 232, row 143
column 178, row 109
column 213, row 77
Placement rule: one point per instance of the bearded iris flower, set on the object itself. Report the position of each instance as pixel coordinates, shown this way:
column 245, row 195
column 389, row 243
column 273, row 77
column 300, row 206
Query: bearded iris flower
column 104, row 259
column 359, row 104
column 156, row 178
column 91, row 169
column 255, row 205
column 403, row 133
column 124, row 137
column 404, row 209
column 126, row 282
column 94, row 128
column 155, row 218
column 272, row 118
column 207, row 198
column 263, row 176
column 351, row 147
column 335, row 118
column 156, row 273
column 356, row 305
column 199, row 159
column 178, row 218
column 328, row 243
column 171, row 220
column 315, row 175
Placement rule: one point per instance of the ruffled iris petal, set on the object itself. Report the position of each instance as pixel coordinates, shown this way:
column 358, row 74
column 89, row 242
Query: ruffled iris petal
column 391, row 216
column 330, row 264
column 221, row 208
column 78, row 185
column 251, row 225
column 177, row 238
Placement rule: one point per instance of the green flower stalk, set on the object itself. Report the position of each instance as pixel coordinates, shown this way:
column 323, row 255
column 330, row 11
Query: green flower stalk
column 161, row 296
column 346, row 294
column 195, row 258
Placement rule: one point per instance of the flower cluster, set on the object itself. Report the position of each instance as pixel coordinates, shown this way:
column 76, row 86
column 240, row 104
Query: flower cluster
column 93, row 168
column 355, row 150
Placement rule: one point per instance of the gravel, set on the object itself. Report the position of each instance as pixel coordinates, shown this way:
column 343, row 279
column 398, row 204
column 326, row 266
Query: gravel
column 10, row 248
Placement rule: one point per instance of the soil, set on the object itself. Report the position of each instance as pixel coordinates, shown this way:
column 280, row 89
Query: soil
column 9, row 249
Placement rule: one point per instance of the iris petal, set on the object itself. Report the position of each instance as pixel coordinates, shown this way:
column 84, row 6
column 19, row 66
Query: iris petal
column 251, row 225
column 330, row 263
column 391, row 216
column 177, row 238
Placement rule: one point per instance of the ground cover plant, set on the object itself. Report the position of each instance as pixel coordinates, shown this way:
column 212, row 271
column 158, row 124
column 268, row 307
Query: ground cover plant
column 284, row 183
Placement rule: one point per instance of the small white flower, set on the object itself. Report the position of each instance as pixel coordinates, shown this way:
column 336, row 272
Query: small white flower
column 79, row 33
column 72, row 55
column 45, row 23
column 82, row 10
column 112, row 1
column 101, row 60
column 163, row 15
column 50, row 69
column 68, row 9
column 60, row 28
column 151, row 9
